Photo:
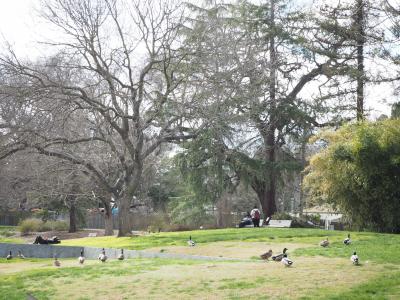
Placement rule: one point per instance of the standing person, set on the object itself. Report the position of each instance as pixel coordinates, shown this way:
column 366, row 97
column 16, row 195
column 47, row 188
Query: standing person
column 255, row 216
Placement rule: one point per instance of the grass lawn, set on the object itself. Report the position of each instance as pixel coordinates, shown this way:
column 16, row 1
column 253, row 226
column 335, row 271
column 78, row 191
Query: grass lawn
column 6, row 235
column 317, row 273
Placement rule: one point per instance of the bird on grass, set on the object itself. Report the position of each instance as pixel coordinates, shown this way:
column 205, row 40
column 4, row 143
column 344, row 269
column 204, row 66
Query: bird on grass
column 266, row 255
column 103, row 256
column 190, row 242
column 121, row 256
column 20, row 255
column 9, row 256
column 354, row 259
column 81, row 258
column 286, row 261
column 324, row 243
column 279, row 256
column 56, row 262
column 347, row 241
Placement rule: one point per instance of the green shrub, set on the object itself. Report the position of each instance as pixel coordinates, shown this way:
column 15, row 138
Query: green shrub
column 36, row 225
column 59, row 225
column 29, row 225
column 281, row 216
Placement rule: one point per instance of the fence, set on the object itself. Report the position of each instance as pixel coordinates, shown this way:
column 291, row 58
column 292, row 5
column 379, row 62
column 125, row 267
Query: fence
column 12, row 218
column 137, row 221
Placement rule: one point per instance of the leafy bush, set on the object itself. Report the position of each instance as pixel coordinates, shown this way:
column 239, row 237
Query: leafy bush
column 29, row 225
column 57, row 225
column 281, row 216
column 36, row 225
column 358, row 173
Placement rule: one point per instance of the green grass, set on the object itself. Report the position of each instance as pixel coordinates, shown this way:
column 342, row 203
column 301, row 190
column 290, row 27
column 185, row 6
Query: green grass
column 378, row 253
column 208, row 236
column 39, row 282
column 383, row 287
column 7, row 233
column 370, row 246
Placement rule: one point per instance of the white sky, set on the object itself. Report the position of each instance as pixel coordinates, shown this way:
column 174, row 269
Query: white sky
column 21, row 27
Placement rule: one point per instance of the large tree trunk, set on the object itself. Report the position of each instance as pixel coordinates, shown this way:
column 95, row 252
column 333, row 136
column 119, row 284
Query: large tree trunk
column 72, row 217
column 359, row 18
column 108, row 220
column 267, row 196
column 124, row 226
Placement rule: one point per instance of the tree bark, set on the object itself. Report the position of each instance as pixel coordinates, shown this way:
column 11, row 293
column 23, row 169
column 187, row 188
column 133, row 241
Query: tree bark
column 124, row 226
column 360, row 58
column 72, row 218
column 108, row 221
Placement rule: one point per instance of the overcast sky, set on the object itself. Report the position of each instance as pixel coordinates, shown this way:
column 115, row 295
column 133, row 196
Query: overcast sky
column 21, row 27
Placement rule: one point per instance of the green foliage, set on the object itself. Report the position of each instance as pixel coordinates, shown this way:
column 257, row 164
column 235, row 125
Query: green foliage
column 35, row 225
column 359, row 173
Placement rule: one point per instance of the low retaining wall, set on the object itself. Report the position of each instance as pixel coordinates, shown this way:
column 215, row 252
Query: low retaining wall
column 49, row 251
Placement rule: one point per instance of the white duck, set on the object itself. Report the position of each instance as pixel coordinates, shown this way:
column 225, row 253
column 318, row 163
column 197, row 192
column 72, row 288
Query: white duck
column 324, row 243
column 190, row 242
column 103, row 256
column 286, row 261
column 20, row 255
column 354, row 259
column 347, row 241
column 121, row 256
column 81, row 258
column 9, row 256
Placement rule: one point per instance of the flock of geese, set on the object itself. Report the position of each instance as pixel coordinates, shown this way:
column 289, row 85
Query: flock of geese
column 325, row 243
column 282, row 257
column 81, row 259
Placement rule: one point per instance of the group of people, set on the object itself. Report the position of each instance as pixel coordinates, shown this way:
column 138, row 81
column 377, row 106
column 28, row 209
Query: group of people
column 251, row 218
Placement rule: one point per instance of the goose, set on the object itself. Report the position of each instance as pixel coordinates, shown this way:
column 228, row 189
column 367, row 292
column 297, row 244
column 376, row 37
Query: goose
column 354, row 259
column 81, row 258
column 20, row 255
column 266, row 255
column 121, row 256
column 103, row 256
column 279, row 256
column 324, row 243
column 56, row 262
column 190, row 242
column 9, row 256
column 286, row 261
column 347, row 241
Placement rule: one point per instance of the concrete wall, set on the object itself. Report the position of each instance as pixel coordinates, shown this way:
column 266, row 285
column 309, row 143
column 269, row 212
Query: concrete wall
column 49, row 251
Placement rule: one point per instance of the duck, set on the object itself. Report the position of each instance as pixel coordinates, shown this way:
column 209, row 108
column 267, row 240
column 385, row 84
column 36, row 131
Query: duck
column 121, row 256
column 81, row 258
column 20, row 255
column 56, row 262
column 266, row 255
column 286, row 261
column 190, row 242
column 324, row 243
column 103, row 256
column 279, row 256
column 347, row 241
column 354, row 259
column 9, row 256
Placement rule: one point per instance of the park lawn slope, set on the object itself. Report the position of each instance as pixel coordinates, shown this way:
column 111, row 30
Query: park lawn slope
column 375, row 247
column 184, row 279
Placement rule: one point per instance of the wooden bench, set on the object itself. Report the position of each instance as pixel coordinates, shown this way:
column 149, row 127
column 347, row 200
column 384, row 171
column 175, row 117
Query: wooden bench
column 279, row 223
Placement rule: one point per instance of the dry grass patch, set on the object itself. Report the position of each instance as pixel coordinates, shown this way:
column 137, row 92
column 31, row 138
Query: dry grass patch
column 242, row 250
